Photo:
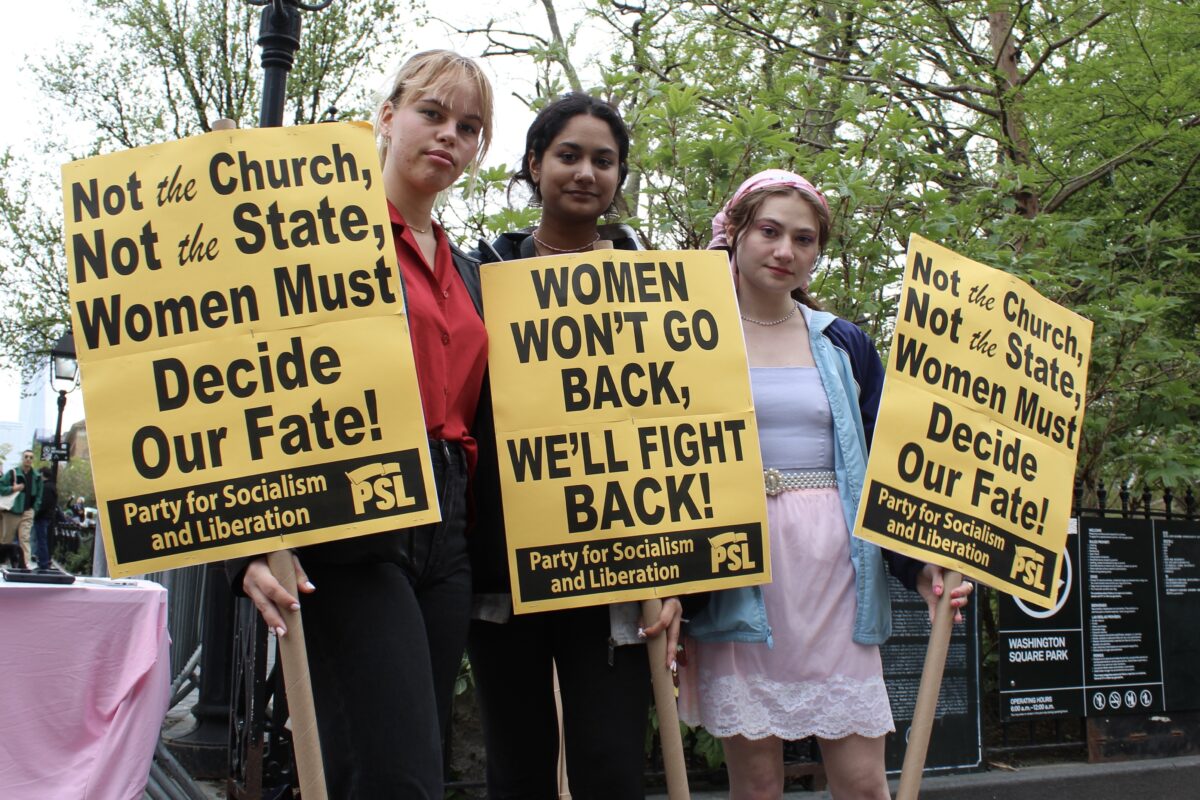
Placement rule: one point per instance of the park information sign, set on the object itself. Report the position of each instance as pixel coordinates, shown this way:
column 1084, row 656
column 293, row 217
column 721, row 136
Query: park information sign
column 979, row 425
column 956, row 742
column 629, row 460
column 240, row 328
column 1122, row 638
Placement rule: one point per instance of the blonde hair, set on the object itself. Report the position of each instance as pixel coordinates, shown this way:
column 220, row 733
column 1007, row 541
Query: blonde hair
column 437, row 72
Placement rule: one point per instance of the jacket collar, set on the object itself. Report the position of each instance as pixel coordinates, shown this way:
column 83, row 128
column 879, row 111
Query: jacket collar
column 817, row 321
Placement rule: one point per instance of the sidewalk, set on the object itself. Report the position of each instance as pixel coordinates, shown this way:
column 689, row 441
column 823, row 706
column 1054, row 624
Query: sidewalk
column 1154, row 779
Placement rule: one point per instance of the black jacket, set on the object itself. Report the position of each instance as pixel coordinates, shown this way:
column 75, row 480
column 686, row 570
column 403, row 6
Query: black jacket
column 487, row 539
column 356, row 548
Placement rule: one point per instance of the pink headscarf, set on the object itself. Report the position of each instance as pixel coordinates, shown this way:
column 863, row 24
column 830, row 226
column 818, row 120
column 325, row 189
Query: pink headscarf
column 768, row 177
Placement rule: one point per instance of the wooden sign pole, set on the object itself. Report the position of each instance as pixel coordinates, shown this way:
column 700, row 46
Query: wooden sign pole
column 668, row 712
column 927, row 695
column 305, row 741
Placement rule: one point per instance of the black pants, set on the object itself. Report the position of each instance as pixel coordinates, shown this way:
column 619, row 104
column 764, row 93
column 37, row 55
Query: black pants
column 385, row 633
column 604, row 706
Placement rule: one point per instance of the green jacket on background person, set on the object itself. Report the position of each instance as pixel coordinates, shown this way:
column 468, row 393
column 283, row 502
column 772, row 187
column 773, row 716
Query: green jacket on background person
column 33, row 488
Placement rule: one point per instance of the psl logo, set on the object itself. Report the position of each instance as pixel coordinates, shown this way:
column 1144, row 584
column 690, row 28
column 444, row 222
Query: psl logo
column 381, row 485
column 732, row 551
column 1028, row 563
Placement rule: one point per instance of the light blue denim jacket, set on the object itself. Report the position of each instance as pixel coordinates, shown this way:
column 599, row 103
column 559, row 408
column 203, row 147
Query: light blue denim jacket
column 738, row 615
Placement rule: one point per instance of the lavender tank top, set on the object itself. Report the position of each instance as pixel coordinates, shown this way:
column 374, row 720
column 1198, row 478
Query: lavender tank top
column 795, row 426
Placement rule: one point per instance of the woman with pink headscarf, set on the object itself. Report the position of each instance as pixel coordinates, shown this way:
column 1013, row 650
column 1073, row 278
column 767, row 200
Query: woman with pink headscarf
column 800, row 657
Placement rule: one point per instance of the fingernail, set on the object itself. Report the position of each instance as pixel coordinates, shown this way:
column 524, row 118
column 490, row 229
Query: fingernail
column 281, row 631
column 674, row 667
column 294, row 606
column 641, row 633
column 309, row 585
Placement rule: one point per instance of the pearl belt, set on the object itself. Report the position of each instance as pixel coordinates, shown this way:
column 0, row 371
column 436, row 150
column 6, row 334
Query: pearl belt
column 787, row 480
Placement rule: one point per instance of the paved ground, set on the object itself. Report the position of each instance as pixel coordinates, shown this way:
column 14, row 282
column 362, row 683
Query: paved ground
column 1158, row 779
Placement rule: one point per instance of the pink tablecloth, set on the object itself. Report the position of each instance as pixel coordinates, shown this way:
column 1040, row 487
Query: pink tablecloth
column 84, row 685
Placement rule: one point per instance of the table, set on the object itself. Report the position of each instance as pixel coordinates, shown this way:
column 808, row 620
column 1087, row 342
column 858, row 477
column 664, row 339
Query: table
column 84, row 686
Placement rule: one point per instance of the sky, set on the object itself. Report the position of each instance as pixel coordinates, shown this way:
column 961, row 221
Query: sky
column 33, row 30
column 30, row 29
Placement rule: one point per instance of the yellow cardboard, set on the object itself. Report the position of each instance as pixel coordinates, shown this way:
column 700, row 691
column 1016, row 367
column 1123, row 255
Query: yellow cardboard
column 973, row 459
column 240, row 328
column 628, row 448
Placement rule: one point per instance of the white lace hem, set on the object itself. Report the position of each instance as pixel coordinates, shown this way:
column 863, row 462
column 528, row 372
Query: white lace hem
column 756, row 707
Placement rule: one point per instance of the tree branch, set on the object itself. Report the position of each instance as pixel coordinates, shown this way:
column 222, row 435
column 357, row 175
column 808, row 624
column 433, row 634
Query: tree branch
column 1058, row 45
column 1087, row 179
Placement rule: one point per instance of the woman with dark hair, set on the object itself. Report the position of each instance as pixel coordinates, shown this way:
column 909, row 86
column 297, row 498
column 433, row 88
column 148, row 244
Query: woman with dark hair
column 386, row 630
column 815, row 668
column 574, row 164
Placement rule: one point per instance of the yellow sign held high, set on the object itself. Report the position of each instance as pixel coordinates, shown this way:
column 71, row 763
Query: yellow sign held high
column 628, row 450
column 240, row 327
column 973, row 459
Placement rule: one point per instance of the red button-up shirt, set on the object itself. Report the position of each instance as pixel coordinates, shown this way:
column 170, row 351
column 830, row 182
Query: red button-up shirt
column 448, row 338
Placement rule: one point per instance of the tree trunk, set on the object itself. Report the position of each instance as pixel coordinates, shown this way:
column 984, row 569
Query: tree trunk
column 1016, row 147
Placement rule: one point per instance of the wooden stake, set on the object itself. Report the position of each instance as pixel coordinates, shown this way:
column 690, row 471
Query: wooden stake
column 305, row 741
column 668, row 712
column 927, row 695
column 564, row 786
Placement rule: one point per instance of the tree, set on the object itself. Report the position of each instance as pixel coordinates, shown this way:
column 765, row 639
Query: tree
column 1056, row 140
column 157, row 70
column 75, row 480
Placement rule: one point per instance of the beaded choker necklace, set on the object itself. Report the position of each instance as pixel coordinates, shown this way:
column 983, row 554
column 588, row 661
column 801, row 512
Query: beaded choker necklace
column 779, row 321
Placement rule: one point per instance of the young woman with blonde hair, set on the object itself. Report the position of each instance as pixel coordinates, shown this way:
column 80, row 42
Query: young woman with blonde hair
column 386, row 629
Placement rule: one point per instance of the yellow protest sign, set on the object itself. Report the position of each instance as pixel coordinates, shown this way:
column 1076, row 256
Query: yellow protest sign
column 629, row 460
column 240, row 328
column 973, row 459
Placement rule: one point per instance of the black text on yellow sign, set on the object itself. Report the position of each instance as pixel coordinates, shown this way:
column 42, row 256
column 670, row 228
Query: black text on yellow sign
column 624, row 424
column 974, row 453
column 231, row 212
column 233, row 299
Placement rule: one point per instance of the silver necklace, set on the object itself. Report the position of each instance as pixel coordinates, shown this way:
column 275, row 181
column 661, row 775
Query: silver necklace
column 554, row 249
column 779, row 321
column 418, row 230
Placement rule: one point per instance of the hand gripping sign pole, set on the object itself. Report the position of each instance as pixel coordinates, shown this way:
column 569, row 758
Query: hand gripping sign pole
column 927, row 695
column 668, row 712
column 279, row 37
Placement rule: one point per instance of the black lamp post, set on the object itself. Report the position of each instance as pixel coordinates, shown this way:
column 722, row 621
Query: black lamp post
column 64, row 370
column 279, row 37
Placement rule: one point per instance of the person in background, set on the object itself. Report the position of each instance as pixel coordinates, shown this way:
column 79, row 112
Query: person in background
column 813, row 668
column 574, row 163
column 385, row 615
column 17, row 523
column 45, row 516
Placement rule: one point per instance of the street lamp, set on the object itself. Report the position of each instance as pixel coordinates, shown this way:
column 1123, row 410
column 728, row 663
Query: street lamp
column 64, row 370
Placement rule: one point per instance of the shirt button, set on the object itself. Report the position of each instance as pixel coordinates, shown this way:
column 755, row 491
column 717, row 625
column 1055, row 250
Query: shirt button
column 445, row 292
column 445, row 338
column 446, row 390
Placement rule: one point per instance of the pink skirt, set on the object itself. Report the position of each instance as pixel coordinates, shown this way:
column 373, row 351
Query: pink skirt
column 816, row 680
